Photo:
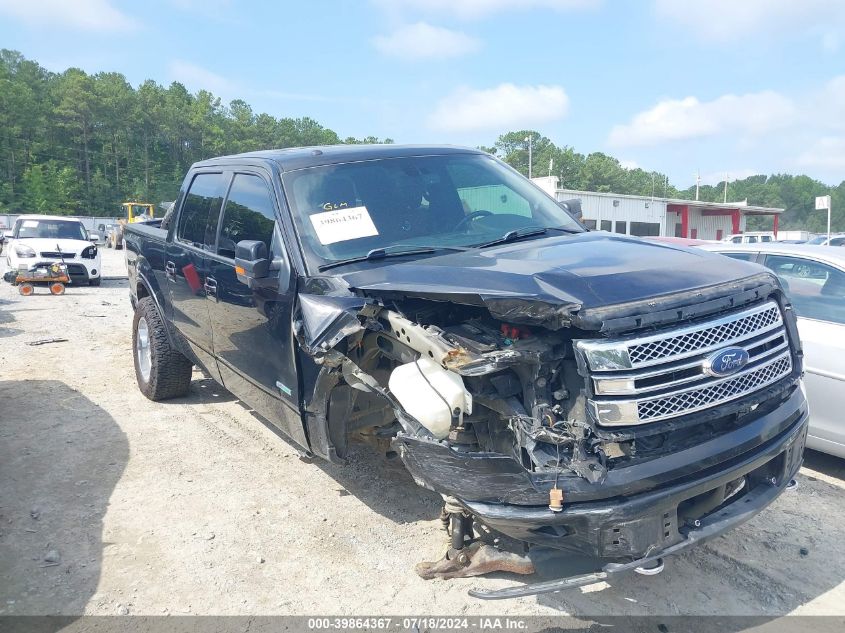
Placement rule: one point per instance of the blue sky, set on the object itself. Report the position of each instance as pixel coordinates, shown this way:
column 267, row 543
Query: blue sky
column 736, row 86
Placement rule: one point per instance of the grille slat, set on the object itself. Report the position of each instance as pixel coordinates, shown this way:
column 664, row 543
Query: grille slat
column 702, row 339
column 697, row 399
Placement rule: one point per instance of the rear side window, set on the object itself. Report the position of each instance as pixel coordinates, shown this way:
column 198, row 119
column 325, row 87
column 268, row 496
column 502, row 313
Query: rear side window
column 200, row 211
column 249, row 214
column 817, row 291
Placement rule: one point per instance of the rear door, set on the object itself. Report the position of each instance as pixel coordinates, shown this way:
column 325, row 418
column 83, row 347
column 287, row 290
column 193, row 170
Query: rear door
column 186, row 262
column 817, row 293
column 253, row 341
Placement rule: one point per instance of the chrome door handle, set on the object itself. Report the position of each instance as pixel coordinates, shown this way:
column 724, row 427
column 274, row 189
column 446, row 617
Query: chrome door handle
column 170, row 270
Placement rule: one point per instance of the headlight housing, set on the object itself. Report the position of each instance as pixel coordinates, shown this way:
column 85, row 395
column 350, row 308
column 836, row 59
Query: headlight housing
column 22, row 250
column 89, row 252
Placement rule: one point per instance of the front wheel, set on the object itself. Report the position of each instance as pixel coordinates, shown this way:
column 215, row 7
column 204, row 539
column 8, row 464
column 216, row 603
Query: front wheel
column 162, row 372
column 95, row 281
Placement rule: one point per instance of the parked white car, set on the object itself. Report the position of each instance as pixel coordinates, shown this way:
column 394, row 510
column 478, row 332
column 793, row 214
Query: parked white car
column 36, row 240
column 837, row 239
column 814, row 280
column 751, row 237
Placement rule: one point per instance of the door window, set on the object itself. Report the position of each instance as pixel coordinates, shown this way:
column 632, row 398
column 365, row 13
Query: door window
column 745, row 257
column 249, row 214
column 200, row 211
column 817, row 291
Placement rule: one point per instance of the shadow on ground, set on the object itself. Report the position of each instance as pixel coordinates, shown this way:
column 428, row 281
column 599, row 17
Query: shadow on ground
column 60, row 459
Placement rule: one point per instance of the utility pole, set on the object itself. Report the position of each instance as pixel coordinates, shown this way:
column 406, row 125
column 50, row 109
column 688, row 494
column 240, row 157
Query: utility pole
column 697, row 183
column 529, row 140
column 727, row 175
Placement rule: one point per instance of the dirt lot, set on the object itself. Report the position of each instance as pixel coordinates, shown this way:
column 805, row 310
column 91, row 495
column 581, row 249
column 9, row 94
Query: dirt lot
column 113, row 504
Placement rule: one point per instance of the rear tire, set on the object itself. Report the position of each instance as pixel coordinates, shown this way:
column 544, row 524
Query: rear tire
column 161, row 371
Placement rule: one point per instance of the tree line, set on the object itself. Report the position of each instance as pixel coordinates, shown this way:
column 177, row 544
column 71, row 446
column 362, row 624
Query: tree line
column 79, row 144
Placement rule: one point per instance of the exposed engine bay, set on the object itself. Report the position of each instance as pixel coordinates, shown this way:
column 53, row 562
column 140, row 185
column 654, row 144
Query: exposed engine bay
column 474, row 383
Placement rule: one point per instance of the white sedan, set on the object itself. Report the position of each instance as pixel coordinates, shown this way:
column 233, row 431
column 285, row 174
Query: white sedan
column 36, row 240
column 814, row 280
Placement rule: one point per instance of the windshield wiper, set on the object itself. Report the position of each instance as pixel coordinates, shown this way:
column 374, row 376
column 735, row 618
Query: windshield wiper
column 529, row 231
column 396, row 250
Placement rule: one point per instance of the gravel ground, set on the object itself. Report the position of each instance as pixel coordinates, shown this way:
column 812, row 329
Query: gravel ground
column 111, row 504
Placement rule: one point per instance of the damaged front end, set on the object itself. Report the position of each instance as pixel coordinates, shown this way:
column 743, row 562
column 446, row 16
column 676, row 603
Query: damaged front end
column 533, row 420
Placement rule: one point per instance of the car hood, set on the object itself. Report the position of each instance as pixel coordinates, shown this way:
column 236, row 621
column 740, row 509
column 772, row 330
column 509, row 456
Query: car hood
column 547, row 281
column 44, row 245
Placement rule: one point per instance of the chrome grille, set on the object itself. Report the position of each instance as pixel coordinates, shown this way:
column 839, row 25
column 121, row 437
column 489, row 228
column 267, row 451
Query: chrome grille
column 702, row 339
column 697, row 399
column 668, row 374
column 57, row 255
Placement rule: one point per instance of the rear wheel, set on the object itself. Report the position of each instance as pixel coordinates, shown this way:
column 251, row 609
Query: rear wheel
column 161, row 371
column 57, row 288
column 95, row 281
column 26, row 289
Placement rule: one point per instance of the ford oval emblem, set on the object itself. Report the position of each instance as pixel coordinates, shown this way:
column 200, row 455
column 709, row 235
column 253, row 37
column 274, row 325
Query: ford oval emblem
column 726, row 361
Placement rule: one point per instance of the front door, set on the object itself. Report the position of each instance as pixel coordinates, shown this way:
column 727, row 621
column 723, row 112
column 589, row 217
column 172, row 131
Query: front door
column 817, row 293
column 253, row 341
column 186, row 264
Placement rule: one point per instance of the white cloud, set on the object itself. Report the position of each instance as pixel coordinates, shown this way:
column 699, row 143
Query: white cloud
column 196, row 77
column 424, row 41
column 726, row 20
column 688, row 118
column 504, row 107
column 472, row 9
column 629, row 164
column 714, row 178
column 84, row 15
column 828, row 153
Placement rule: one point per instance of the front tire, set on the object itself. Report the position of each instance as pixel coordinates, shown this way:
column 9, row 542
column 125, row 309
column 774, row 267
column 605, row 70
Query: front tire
column 162, row 372
column 95, row 281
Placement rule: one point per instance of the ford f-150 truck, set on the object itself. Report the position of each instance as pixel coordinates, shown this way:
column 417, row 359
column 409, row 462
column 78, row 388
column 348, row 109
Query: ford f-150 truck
column 567, row 388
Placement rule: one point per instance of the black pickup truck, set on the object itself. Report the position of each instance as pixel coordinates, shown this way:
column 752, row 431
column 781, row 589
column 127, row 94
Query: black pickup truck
column 573, row 389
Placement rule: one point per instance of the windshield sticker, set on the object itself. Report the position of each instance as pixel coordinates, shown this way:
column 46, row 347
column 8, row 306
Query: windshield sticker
column 343, row 225
column 30, row 224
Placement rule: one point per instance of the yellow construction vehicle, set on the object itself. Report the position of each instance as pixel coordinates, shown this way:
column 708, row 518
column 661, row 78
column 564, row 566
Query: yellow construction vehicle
column 130, row 212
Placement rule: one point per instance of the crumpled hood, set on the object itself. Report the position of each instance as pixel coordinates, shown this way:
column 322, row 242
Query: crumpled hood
column 586, row 271
column 48, row 245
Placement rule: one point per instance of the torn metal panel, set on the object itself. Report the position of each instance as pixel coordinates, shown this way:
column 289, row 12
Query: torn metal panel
column 327, row 320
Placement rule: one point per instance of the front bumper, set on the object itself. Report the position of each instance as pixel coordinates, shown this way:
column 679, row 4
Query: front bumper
column 635, row 532
column 629, row 523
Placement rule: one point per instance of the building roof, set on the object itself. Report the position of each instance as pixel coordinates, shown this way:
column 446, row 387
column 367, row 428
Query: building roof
column 743, row 206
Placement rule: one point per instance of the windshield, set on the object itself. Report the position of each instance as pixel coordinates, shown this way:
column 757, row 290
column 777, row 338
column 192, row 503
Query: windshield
column 460, row 200
column 52, row 229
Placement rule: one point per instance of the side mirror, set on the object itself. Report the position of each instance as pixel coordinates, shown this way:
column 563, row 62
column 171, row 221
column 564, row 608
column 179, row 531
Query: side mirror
column 251, row 261
column 93, row 238
column 573, row 207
